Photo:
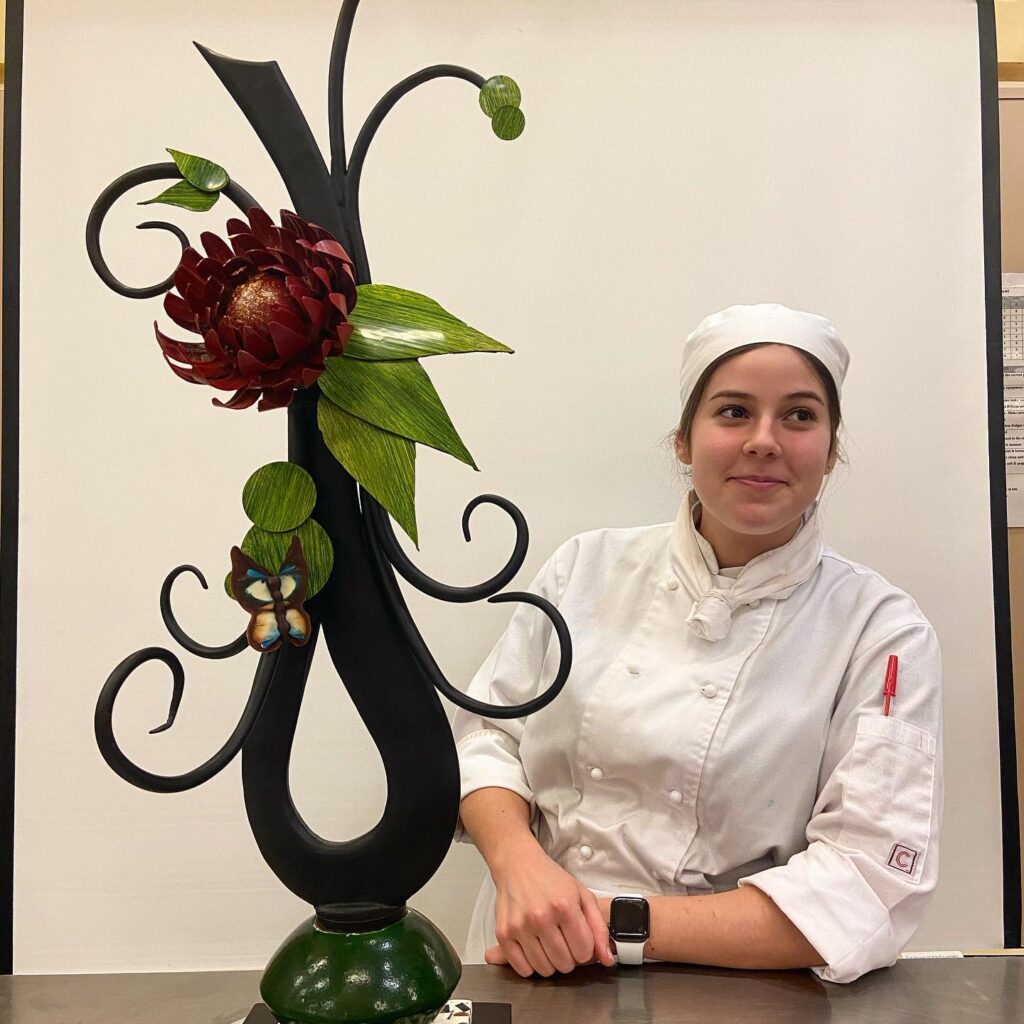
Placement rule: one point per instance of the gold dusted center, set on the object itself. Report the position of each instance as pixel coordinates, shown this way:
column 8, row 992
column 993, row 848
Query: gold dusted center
column 253, row 301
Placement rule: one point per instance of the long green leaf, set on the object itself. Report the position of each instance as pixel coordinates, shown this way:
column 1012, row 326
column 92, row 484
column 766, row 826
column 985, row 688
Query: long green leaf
column 395, row 323
column 187, row 196
column 384, row 463
column 198, row 171
column 397, row 397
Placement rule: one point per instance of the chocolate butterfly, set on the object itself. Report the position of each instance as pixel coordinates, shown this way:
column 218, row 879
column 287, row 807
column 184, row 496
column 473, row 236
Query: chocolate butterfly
column 273, row 599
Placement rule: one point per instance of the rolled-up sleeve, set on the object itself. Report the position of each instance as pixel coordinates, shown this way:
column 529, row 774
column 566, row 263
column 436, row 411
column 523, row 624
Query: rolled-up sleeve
column 514, row 672
column 860, row 889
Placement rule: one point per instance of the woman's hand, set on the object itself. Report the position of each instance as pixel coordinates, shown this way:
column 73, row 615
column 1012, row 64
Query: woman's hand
column 545, row 920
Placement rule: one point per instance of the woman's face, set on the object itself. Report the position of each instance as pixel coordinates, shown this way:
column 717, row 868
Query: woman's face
column 759, row 449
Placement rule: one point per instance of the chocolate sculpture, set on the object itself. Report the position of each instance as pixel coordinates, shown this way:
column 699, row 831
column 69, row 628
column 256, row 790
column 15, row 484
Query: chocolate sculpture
column 364, row 955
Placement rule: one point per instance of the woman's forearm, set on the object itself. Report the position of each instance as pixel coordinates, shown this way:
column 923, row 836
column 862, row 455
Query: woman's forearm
column 741, row 928
column 544, row 919
column 498, row 822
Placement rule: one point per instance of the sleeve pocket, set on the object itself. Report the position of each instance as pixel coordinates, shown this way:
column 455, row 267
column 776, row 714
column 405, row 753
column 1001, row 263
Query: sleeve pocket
column 887, row 798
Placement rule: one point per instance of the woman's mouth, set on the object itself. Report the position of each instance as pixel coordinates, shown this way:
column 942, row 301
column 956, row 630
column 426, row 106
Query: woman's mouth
column 758, row 483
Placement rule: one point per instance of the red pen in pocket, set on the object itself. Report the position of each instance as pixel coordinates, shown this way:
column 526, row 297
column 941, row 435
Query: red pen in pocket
column 890, row 681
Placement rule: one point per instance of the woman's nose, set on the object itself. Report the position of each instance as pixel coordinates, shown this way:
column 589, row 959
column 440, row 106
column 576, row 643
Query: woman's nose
column 762, row 439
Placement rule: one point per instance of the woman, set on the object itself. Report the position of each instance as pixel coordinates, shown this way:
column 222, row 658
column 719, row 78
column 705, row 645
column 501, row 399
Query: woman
column 722, row 747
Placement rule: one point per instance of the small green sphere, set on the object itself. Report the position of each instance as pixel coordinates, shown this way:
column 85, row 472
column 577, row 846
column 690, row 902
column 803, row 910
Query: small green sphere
column 497, row 92
column 508, row 123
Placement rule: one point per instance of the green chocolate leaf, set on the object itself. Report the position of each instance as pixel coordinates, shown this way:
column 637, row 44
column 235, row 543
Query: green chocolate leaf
column 202, row 173
column 395, row 396
column 270, row 548
column 497, row 92
column 187, row 196
column 395, row 323
column 382, row 462
column 508, row 123
column 279, row 496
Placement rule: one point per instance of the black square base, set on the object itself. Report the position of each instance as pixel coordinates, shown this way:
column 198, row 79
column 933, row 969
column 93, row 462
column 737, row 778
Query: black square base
column 483, row 1013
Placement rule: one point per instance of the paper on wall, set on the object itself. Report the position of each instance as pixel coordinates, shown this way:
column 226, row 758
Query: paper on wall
column 1013, row 396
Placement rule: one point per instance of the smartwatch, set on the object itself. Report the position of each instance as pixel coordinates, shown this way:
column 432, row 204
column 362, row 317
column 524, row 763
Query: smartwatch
column 630, row 927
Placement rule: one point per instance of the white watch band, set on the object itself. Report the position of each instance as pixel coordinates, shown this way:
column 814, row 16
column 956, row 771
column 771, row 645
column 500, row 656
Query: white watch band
column 630, row 953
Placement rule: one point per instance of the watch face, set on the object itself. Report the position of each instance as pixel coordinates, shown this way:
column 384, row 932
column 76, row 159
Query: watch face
column 630, row 919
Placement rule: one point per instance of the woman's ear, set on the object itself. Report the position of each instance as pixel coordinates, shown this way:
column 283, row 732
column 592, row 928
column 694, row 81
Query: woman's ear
column 682, row 450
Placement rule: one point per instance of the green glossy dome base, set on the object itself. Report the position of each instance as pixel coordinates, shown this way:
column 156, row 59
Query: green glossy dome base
column 403, row 973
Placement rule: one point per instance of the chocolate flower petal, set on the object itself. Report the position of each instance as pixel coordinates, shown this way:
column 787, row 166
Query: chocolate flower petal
column 242, row 400
column 289, row 344
column 258, row 343
column 316, row 311
column 276, row 399
column 179, row 311
column 184, row 373
column 216, row 248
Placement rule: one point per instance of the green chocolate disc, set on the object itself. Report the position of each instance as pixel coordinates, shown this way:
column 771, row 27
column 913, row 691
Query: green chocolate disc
column 279, row 496
column 508, row 123
column 268, row 549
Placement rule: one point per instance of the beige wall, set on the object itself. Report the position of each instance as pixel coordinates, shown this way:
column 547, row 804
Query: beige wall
column 687, row 180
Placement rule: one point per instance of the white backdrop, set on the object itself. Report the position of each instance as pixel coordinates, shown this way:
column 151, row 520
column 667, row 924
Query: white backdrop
column 677, row 158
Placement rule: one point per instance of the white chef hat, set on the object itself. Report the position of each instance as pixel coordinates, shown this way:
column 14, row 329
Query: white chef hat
column 736, row 326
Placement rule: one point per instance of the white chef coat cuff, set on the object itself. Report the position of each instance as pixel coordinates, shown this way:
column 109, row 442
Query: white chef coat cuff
column 828, row 900
column 490, row 757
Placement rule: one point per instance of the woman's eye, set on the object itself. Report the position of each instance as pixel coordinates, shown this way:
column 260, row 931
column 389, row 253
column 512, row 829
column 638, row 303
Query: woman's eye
column 804, row 415
column 732, row 412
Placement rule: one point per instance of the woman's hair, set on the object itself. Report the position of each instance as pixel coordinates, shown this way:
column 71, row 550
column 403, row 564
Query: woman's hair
column 682, row 434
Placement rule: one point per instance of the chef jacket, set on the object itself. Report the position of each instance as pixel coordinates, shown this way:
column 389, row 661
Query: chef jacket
column 672, row 764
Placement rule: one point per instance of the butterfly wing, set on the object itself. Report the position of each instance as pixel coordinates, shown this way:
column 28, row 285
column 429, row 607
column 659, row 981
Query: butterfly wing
column 263, row 632
column 249, row 582
column 295, row 574
column 249, row 585
column 298, row 626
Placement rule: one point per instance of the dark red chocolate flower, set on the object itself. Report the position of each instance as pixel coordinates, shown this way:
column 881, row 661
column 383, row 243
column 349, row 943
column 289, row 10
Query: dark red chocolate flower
column 270, row 308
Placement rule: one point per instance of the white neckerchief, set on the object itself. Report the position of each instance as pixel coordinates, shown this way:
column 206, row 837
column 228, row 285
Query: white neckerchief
column 774, row 574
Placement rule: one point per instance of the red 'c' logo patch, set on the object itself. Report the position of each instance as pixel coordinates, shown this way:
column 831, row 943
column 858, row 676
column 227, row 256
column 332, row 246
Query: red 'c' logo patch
column 903, row 858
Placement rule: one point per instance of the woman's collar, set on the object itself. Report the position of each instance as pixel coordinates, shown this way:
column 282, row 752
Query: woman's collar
column 772, row 574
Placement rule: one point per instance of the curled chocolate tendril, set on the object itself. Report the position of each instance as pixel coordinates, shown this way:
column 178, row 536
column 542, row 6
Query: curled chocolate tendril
column 193, row 646
column 113, row 192
column 128, row 769
column 113, row 754
column 386, row 545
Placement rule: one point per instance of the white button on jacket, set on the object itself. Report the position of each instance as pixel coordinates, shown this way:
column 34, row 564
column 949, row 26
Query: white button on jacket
column 790, row 779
